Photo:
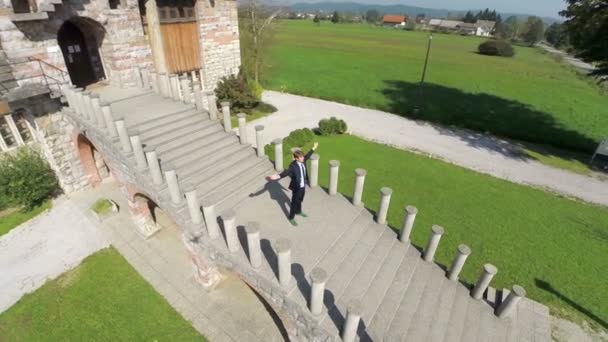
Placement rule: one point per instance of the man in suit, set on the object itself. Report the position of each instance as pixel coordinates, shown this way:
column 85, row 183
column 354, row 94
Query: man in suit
column 299, row 179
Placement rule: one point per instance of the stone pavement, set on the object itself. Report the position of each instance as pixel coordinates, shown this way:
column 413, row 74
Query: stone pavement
column 472, row 150
column 44, row 248
column 230, row 312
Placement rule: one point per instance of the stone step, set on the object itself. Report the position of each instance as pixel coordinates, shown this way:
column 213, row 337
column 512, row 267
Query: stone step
column 457, row 315
column 470, row 329
column 442, row 311
column 46, row 8
column 198, row 169
column 382, row 317
column 181, row 146
column 174, row 118
column 424, row 318
column 180, row 129
column 201, row 148
column 488, row 324
column 236, row 160
column 176, row 141
column 404, row 315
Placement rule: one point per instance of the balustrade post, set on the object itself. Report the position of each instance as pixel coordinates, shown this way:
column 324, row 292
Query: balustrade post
column 314, row 171
column 242, row 119
column 213, row 229
column 145, row 77
column 154, row 165
column 123, row 135
column 334, row 171
column 462, row 253
column 226, row 116
column 138, row 150
column 175, row 95
column 198, row 96
column 278, row 154
column 283, row 250
column 487, row 274
column 359, row 183
column 351, row 325
column 259, row 140
column 385, row 202
column 138, row 77
column 86, row 100
column 106, row 111
column 431, row 247
column 232, row 240
column 173, row 185
column 318, row 278
column 253, row 244
column 212, row 105
column 194, row 205
column 185, row 87
column 508, row 305
column 154, row 82
column 77, row 96
column 408, row 223
column 96, row 107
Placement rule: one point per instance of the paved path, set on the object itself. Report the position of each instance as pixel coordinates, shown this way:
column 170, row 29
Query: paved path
column 43, row 248
column 575, row 62
column 472, row 150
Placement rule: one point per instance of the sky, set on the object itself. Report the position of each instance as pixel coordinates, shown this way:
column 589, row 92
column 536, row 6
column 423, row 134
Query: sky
column 549, row 8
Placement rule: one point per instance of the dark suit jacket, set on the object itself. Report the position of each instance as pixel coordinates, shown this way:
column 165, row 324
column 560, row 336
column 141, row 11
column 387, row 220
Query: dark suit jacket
column 293, row 171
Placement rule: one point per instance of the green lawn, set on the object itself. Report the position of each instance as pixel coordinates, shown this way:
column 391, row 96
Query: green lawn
column 555, row 247
column 12, row 219
column 530, row 97
column 103, row 299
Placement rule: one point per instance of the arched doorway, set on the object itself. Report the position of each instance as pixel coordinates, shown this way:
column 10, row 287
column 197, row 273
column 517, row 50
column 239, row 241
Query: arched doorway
column 80, row 52
column 91, row 160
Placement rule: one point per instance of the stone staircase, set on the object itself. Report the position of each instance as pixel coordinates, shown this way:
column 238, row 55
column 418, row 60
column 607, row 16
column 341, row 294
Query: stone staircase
column 42, row 13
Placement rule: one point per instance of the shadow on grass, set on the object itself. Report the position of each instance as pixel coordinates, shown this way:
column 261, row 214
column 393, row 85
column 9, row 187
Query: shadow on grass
column 543, row 285
column 483, row 113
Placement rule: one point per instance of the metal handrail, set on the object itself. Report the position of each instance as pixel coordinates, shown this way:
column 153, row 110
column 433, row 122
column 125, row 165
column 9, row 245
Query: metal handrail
column 43, row 73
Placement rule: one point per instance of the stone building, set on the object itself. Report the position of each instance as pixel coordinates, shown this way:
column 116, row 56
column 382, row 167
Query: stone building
column 47, row 43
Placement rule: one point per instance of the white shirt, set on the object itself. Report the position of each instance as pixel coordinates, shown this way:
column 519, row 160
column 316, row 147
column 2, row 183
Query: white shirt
column 302, row 174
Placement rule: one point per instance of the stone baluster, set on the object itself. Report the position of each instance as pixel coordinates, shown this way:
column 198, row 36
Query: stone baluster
column 242, row 119
column 359, row 183
column 145, row 77
column 462, row 253
column 68, row 93
column 353, row 317
column 173, row 185
column 213, row 229
column 77, row 96
column 318, row 278
column 278, row 154
column 408, row 223
column 334, row 171
column 123, row 135
column 162, row 84
column 139, row 80
column 385, row 201
column 487, row 274
column 253, row 244
column 86, row 100
column 226, row 116
column 431, row 247
column 508, row 305
column 259, row 140
column 194, row 205
column 211, row 105
column 232, row 239
column 154, row 165
column 106, row 111
column 96, row 108
column 283, row 249
column 175, row 95
column 194, row 76
column 154, row 82
column 138, row 150
column 314, row 171
column 185, row 88
column 198, row 96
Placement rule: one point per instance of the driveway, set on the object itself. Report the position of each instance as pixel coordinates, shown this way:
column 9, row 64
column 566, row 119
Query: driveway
column 472, row 150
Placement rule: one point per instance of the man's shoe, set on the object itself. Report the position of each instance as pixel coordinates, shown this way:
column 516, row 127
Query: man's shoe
column 303, row 214
column 293, row 223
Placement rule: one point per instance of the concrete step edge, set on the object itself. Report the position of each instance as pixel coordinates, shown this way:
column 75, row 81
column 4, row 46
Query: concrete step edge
column 217, row 164
column 185, row 115
column 183, row 128
column 187, row 141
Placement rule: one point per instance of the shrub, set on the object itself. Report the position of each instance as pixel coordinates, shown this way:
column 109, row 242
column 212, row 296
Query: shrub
column 27, row 178
column 236, row 90
column 496, row 48
column 297, row 138
column 332, row 126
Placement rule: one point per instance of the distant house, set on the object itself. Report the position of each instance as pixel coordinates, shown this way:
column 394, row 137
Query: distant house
column 394, row 20
column 482, row 28
column 444, row 25
column 485, row 28
column 467, row 28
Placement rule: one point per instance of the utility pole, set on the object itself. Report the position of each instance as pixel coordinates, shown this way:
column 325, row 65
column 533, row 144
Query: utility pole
column 426, row 62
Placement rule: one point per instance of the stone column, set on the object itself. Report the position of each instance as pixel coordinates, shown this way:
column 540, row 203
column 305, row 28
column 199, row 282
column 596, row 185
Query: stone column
column 139, row 80
column 154, row 82
column 487, row 274
column 314, row 171
column 353, row 317
column 385, row 201
column 174, row 81
column 242, row 119
column 359, row 183
column 194, row 76
column 106, row 111
column 96, row 107
column 121, row 129
column 154, row 165
column 259, row 140
column 138, row 150
column 509, row 304
column 408, row 223
column 226, row 116
column 198, row 96
column 431, row 247
column 318, row 278
column 253, row 244
column 232, row 239
column 86, row 101
column 283, row 249
column 334, row 171
column 462, row 253
column 185, row 87
column 155, row 37
column 212, row 105
column 213, row 229
column 145, row 77
column 163, row 82
column 278, row 154
column 194, row 206
column 167, row 86
column 173, row 185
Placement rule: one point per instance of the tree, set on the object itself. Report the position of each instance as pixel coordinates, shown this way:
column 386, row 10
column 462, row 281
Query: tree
column 372, row 16
column 335, row 18
column 410, row 25
column 420, row 18
column 587, row 27
column 317, row 19
column 534, row 30
column 469, row 17
column 511, row 27
column 556, row 35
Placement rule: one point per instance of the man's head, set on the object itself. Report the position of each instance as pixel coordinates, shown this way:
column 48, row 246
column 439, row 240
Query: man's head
column 299, row 156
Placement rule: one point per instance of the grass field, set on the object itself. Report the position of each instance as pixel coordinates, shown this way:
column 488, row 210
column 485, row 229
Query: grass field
column 13, row 217
column 530, row 97
column 555, row 247
column 103, row 299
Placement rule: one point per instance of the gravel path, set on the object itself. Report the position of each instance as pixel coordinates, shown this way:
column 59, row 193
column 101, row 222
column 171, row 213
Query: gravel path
column 577, row 63
column 472, row 150
column 44, row 248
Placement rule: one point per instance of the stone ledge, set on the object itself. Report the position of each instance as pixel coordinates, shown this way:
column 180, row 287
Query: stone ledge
column 29, row 16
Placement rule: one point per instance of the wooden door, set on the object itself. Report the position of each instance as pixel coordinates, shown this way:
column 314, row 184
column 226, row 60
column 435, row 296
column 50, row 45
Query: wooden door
column 180, row 35
column 76, row 56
